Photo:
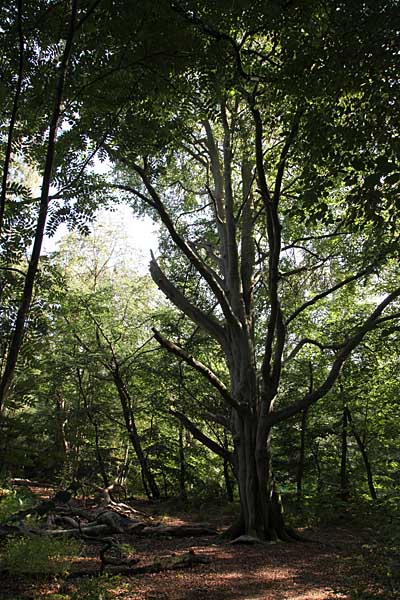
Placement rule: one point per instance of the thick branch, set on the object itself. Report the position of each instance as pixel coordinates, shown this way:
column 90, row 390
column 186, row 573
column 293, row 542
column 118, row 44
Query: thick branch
column 311, row 398
column 199, row 366
column 232, row 253
column 283, row 158
column 195, row 260
column 247, row 240
column 201, row 244
column 180, row 301
column 89, row 12
column 305, row 341
column 308, row 268
column 209, row 30
column 134, row 191
column 201, row 437
column 218, row 419
column 278, row 351
column 276, row 323
column 276, row 326
column 388, row 318
column 217, row 178
column 14, row 270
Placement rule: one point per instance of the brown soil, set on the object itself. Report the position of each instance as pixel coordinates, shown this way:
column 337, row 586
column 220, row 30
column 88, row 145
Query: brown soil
column 340, row 560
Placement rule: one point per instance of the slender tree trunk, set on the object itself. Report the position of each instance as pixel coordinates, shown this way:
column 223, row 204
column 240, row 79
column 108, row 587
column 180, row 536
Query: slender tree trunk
column 149, row 482
column 344, row 482
column 303, row 434
column 300, row 466
column 364, row 454
column 182, row 465
column 227, row 470
column 152, row 490
column 60, row 423
column 123, row 470
column 23, row 311
column 99, row 456
column 315, row 454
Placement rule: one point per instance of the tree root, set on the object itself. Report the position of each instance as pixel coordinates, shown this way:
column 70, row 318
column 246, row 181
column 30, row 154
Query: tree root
column 235, row 534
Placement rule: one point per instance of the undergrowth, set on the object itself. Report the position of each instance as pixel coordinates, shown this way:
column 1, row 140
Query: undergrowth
column 12, row 501
column 38, row 555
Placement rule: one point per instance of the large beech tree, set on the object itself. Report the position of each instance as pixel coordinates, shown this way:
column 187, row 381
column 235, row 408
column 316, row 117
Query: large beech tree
column 263, row 136
column 261, row 200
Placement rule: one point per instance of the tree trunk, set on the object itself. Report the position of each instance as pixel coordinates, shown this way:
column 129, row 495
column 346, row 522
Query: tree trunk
column 61, row 442
column 344, row 482
column 317, row 463
column 300, row 466
column 123, row 470
column 147, row 475
column 227, row 468
column 261, row 510
column 99, row 456
column 149, row 482
column 364, row 454
column 303, row 433
column 182, row 465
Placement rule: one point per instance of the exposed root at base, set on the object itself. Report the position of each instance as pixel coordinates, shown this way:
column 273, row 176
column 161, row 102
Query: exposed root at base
column 235, row 534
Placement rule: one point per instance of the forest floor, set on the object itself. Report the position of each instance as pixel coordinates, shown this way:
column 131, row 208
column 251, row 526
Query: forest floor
column 342, row 563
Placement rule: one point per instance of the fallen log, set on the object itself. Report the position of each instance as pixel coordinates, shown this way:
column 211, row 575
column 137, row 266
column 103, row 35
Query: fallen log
column 90, row 531
column 115, row 521
column 185, row 561
column 179, row 530
column 83, row 513
column 58, row 501
column 106, row 523
column 20, row 482
column 66, row 521
column 94, row 514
